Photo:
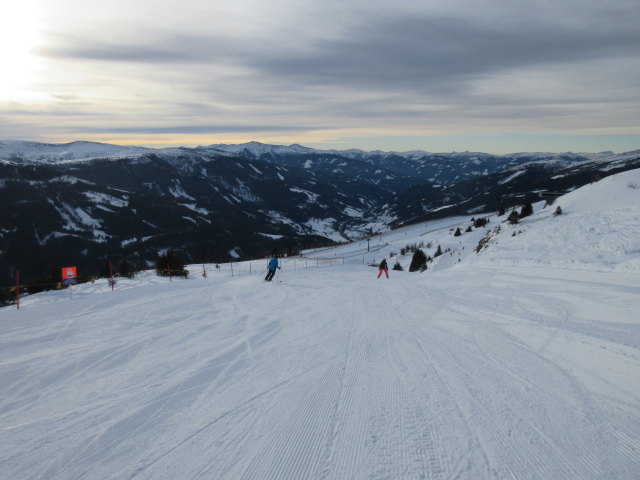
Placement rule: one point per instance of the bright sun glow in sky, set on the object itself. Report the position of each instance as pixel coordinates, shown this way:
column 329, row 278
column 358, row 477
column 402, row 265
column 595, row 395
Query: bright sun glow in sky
column 436, row 75
column 20, row 35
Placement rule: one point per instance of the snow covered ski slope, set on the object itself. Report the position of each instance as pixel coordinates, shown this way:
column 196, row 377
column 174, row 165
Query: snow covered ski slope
column 520, row 362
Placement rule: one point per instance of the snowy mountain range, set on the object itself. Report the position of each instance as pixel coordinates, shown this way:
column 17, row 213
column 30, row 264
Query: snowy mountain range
column 85, row 203
column 21, row 151
column 520, row 361
column 438, row 168
column 526, row 182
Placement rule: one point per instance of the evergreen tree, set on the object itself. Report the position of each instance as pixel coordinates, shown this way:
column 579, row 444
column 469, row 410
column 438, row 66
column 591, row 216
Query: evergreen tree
column 126, row 269
column 418, row 261
column 39, row 283
column 103, row 271
column 42, row 283
column 398, row 267
column 170, row 263
column 513, row 217
column 458, row 232
column 480, row 222
column 469, row 229
column 501, row 212
column 6, row 296
column 526, row 210
column 438, row 252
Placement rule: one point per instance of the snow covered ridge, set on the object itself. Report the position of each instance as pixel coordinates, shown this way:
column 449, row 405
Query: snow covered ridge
column 20, row 151
column 598, row 229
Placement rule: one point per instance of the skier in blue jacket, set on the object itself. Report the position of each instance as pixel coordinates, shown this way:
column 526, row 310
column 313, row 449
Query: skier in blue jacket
column 273, row 264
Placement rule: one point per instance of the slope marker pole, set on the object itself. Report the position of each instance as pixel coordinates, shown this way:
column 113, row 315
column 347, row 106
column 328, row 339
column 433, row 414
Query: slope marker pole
column 18, row 288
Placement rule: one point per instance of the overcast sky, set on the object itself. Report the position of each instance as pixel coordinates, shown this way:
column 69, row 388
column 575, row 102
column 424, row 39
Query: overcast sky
column 498, row 76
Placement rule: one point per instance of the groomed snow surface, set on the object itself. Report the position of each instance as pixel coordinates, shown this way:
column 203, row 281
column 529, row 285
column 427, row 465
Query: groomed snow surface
column 521, row 362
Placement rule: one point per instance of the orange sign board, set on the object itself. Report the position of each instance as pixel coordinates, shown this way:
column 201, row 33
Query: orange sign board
column 69, row 276
column 69, row 272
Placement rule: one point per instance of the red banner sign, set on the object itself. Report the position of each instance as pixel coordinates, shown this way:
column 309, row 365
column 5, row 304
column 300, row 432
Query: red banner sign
column 69, row 276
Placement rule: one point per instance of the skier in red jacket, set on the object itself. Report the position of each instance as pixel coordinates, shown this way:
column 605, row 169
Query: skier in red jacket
column 383, row 268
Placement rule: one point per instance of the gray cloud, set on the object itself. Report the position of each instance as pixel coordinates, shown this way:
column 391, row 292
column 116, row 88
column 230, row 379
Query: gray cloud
column 153, row 47
column 299, row 66
column 191, row 129
column 439, row 53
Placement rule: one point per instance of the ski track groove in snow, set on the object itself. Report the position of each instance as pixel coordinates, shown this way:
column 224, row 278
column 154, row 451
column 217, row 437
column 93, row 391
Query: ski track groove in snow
column 101, row 446
column 580, row 412
column 412, row 413
column 312, row 379
column 343, row 398
column 582, row 400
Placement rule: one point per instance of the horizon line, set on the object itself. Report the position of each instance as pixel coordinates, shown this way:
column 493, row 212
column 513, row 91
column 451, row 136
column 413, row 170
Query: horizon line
column 189, row 145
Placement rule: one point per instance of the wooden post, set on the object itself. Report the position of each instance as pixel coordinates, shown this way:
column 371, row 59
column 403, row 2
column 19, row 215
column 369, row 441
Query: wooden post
column 232, row 269
column 204, row 272
column 18, row 288
column 111, row 276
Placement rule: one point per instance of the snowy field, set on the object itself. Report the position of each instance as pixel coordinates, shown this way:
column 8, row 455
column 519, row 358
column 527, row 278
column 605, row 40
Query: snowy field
column 521, row 362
